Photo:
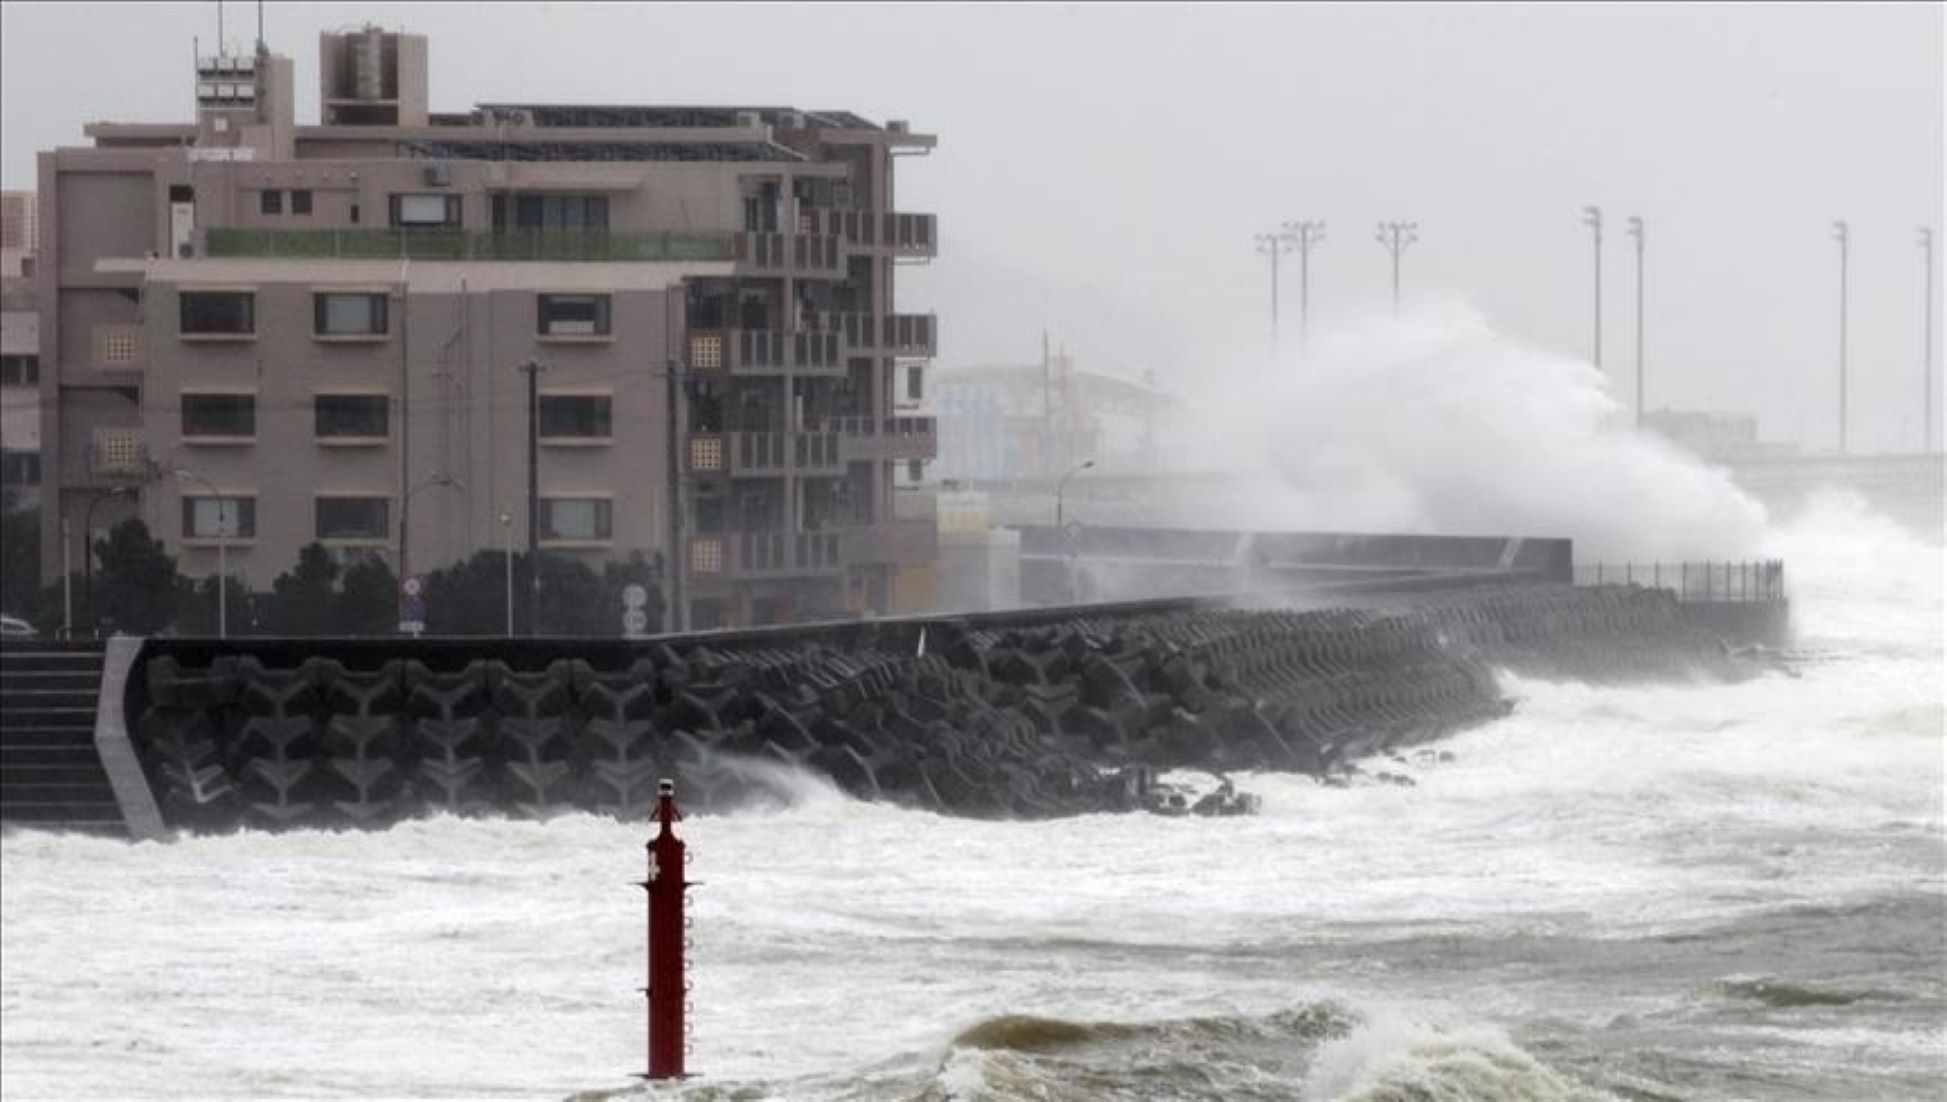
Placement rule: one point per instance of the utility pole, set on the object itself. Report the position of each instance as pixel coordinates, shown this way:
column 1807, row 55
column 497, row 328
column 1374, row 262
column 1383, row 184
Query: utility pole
column 678, row 559
column 533, row 372
column 1274, row 245
column 1396, row 236
column 1636, row 231
column 1592, row 218
column 1305, row 235
column 1842, row 235
column 1926, row 362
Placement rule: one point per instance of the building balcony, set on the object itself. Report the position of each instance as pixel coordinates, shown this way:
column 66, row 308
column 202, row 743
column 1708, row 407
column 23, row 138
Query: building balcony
column 386, row 244
column 897, row 543
column 800, row 254
column 739, row 556
column 888, row 439
column 764, row 454
column 902, row 235
column 860, row 333
column 765, row 352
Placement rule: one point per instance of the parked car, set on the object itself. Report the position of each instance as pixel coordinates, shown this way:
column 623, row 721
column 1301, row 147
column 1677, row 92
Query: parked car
column 13, row 628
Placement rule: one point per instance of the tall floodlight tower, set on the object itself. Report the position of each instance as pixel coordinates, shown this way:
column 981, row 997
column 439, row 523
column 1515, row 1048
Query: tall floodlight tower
column 1592, row 218
column 1274, row 245
column 1636, row 232
column 1304, row 235
column 1842, row 234
column 1395, row 237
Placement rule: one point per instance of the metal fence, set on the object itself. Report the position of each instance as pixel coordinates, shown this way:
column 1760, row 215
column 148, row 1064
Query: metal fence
column 1694, row 581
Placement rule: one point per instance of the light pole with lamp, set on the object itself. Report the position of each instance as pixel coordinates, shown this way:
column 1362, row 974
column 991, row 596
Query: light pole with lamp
column 507, row 543
column 1062, row 484
column 1061, row 530
column 223, row 518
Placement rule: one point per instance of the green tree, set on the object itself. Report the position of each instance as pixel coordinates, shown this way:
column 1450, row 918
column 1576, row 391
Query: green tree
column 470, row 598
column 201, row 615
column 302, row 599
column 136, row 586
column 368, row 599
column 20, row 556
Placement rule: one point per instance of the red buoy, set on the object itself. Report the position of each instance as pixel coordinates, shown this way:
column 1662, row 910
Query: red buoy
column 665, row 991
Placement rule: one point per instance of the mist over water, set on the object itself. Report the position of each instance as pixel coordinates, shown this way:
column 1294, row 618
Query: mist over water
column 1435, row 423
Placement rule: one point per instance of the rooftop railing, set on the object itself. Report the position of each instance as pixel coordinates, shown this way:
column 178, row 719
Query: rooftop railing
column 384, row 244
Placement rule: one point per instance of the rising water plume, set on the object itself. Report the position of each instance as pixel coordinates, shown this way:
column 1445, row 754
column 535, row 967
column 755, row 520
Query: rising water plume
column 1435, row 424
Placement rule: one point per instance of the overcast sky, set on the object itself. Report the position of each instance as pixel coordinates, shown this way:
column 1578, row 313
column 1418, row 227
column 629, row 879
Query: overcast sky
column 1102, row 168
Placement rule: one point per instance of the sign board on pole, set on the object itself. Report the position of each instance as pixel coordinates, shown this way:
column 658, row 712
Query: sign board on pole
column 412, row 605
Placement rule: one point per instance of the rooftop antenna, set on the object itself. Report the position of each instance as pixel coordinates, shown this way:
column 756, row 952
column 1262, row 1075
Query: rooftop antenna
column 220, row 51
column 260, row 26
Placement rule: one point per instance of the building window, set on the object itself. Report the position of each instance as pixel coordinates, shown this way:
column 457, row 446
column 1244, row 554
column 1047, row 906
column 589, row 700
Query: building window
column 915, row 383
column 270, row 201
column 352, row 416
column 206, row 518
column 348, row 315
column 575, row 416
column 426, row 210
column 550, row 213
column 301, row 201
column 916, row 470
column 354, row 518
column 20, row 370
column 577, row 519
column 220, row 415
column 20, row 468
column 227, row 313
column 572, row 315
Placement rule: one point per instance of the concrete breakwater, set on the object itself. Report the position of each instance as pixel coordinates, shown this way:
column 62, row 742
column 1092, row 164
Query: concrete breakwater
column 1074, row 713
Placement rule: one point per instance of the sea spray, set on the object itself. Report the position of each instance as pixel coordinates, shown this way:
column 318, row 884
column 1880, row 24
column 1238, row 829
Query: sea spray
column 1436, row 424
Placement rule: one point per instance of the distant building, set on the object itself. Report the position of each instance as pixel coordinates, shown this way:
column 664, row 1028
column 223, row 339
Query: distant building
column 1720, row 437
column 1031, row 422
column 323, row 329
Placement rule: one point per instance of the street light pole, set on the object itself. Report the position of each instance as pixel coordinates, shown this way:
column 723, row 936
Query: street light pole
column 507, row 543
column 1592, row 218
column 1636, row 231
column 1062, row 484
column 1842, row 234
column 533, row 372
column 1305, row 234
column 222, row 550
column 1274, row 245
column 1395, row 237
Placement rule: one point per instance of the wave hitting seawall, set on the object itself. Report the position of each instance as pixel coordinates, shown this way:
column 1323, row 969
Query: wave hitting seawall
column 1064, row 718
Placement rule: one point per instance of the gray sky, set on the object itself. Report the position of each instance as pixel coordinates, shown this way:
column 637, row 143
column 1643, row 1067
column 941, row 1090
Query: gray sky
column 1102, row 168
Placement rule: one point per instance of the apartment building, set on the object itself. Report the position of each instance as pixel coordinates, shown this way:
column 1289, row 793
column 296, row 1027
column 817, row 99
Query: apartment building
column 265, row 334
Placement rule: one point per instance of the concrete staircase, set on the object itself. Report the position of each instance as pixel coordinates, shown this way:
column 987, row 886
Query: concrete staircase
column 51, row 777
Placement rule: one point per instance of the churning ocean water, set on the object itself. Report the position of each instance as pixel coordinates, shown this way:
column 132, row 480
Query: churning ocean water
column 1692, row 891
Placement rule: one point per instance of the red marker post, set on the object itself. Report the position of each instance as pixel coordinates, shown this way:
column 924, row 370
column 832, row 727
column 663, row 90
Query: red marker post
column 665, row 994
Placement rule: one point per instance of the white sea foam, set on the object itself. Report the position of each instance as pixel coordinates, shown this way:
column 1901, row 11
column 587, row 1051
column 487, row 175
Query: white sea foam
column 464, row 958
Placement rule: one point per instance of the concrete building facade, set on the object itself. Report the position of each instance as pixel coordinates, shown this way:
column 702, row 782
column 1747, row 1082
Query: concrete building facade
column 275, row 333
